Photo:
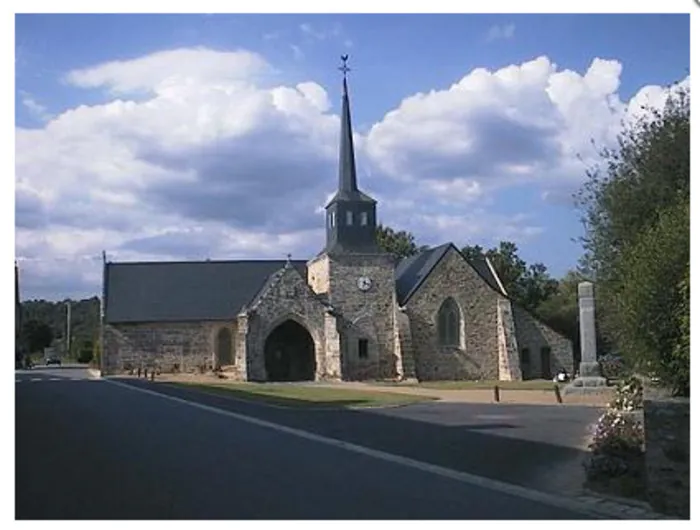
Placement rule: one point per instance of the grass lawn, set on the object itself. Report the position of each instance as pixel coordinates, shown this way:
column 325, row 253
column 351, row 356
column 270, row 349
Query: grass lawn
column 534, row 384
column 307, row 396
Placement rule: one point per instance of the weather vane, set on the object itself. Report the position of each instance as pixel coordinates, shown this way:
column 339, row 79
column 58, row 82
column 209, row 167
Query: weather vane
column 344, row 67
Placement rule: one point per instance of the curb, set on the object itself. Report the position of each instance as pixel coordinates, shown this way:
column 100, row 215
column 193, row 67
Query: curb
column 94, row 374
column 620, row 508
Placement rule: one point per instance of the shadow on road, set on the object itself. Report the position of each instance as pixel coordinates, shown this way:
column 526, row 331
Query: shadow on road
column 461, row 447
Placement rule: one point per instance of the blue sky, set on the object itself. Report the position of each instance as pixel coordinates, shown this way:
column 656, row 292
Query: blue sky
column 195, row 136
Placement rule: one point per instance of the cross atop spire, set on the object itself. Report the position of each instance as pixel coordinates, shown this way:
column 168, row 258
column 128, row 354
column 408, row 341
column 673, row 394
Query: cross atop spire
column 344, row 67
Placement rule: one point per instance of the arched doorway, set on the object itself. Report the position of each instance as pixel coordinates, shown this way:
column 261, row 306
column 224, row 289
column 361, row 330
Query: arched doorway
column 290, row 353
column 223, row 348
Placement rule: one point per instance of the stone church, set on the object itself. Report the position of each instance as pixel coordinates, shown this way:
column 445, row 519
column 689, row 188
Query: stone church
column 352, row 312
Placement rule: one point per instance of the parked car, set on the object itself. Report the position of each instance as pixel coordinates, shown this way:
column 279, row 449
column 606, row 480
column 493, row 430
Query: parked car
column 54, row 359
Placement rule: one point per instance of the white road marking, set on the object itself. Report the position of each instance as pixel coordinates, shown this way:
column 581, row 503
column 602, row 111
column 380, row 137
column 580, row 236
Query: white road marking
column 56, row 379
column 467, row 478
column 34, row 379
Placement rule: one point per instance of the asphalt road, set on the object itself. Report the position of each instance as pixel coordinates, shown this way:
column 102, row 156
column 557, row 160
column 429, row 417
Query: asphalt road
column 89, row 449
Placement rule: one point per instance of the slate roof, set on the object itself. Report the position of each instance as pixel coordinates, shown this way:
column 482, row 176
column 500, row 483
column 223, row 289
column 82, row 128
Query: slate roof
column 219, row 290
column 184, row 291
column 411, row 271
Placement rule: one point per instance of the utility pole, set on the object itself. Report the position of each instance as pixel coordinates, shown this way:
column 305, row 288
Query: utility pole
column 68, row 337
column 102, row 313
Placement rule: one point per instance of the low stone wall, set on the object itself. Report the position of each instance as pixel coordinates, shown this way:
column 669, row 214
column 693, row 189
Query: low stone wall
column 667, row 439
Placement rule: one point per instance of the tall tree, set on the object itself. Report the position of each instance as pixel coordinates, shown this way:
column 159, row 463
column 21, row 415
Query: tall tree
column 36, row 335
column 400, row 243
column 635, row 209
column 529, row 285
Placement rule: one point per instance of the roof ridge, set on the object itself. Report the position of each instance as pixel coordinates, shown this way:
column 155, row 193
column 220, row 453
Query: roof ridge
column 201, row 262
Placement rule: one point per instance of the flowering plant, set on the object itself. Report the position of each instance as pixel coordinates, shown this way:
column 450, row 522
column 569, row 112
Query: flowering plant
column 629, row 395
column 617, row 433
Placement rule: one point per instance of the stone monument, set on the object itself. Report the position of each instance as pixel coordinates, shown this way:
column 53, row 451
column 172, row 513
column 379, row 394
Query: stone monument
column 589, row 379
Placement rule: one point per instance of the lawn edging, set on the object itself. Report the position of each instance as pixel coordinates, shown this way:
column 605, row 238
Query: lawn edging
column 305, row 397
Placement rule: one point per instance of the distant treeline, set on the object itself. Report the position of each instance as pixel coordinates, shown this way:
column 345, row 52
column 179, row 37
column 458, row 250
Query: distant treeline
column 84, row 323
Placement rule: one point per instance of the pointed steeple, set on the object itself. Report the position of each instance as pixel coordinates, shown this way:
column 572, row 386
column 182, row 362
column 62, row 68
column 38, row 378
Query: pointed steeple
column 351, row 214
column 347, row 175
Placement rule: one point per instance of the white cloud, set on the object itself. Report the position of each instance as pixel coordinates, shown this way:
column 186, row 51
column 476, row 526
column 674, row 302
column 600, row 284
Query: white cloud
column 163, row 71
column 500, row 32
column 201, row 157
column 491, row 129
column 209, row 147
column 35, row 108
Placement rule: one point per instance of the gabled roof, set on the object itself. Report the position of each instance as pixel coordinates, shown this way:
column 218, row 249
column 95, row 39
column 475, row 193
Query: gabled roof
column 411, row 271
column 184, row 291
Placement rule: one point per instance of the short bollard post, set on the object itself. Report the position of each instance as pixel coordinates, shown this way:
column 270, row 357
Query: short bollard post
column 145, row 373
column 139, row 372
column 153, row 375
column 496, row 394
column 557, row 393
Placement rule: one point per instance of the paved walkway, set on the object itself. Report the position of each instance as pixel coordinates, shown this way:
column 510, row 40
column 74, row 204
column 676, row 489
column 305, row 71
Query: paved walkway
column 525, row 397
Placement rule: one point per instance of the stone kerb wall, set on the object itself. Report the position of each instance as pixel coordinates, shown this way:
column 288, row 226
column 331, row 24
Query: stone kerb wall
column 667, row 440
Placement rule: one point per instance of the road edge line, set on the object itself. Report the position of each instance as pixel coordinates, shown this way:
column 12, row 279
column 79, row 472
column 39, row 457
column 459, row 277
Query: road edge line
column 460, row 476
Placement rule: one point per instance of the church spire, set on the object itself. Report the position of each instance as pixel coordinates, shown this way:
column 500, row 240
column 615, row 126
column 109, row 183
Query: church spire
column 351, row 217
column 347, row 176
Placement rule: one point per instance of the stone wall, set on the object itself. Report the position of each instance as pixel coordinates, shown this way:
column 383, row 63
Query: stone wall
column 478, row 359
column 287, row 297
column 176, row 346
column 508, row 354
column 534, row 335
column 365, row 314
column 667, row 457
column 317, row 274
column 406, row 365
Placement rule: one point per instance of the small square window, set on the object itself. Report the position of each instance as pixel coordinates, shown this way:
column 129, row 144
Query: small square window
column 348, row 218
column 364, row 219
column 525, row 355
column 363, row 348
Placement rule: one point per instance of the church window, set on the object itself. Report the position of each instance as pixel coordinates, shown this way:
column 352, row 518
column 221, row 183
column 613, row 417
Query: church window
column 363, row 348
column 364, row 219
column 348, row 218
column 449, row 321
column 331, row 219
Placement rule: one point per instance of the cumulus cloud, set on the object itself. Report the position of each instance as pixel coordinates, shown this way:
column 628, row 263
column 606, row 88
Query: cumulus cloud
column 523, row 123
column 195, row 154
column 208, row 147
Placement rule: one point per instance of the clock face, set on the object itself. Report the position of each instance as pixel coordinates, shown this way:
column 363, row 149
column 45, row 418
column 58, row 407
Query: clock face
column 364, row 283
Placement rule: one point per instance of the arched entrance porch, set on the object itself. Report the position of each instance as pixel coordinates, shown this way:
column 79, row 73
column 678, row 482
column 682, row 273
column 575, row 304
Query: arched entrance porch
column 290, row 353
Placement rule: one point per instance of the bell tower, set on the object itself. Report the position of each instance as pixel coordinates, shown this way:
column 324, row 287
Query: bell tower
column 351, row 215
column 355, row 276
